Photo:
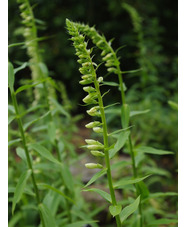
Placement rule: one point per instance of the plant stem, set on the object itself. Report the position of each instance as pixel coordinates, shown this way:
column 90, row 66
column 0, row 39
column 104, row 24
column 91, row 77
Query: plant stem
column 107, row 160
column 20, row 125
column 130, row 140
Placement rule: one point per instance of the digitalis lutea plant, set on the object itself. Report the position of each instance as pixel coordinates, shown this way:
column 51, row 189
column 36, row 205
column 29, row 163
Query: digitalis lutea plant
column 112, row 63
column 94, row 97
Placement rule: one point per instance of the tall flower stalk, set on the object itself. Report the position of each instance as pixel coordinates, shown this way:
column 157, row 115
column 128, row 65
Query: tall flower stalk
column 109, row 56
column 94, row 97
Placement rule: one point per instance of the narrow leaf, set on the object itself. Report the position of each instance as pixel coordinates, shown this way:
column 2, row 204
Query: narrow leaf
column 125, row 114
column 138, row 112
column 119, row 144
column 96, row 176
column 115, row 210
column 60, row 108
column 67, row 177
column 47, row 216
column 20, row 188
column 151, row 150
column 46, row 186
column 10, row 143
column 28, row 124
column 80, row 223
column 163, row 221
column 123, row 182
column 103, row 194
column 44, row 152
column 25, row 64
column 128, row 210
column 11, row 77
column 110, row 83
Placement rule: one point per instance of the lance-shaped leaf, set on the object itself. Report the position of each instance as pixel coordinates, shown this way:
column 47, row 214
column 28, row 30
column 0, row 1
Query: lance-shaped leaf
column 80, row 223
column 47, row 216
column 102, row 193
column 151, row 150
column 128, row 210
column 44, row 152
column 163, row 221
column 96, row 176
column 20, row 188
column 46, row 186
column 119, row 144
column 138, row 112
column 121, row 184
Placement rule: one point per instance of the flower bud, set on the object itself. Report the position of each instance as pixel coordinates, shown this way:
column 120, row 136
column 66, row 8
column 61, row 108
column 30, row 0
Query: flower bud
column 98, row 129
column 112, row 70
column 85, row 82
column 95, row 147
column 93, row 142
column 90, row 99
column 89, row 89
column 97, row 153
column 100, row 79
column 107, row 57
column 93, row 166
column 93, row 111
column 93, row 124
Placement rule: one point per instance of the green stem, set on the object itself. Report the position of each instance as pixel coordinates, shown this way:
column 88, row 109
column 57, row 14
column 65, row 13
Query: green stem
column 107, row 160
column 130, row 140
column 20, row 125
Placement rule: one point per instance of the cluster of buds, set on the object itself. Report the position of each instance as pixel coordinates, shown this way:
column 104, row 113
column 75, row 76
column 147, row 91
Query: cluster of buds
column 108, row 55
column 89, row 79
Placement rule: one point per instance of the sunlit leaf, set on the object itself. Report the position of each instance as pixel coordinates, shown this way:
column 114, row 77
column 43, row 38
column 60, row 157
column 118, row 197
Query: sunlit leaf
column 102, row 193
column 47, row 216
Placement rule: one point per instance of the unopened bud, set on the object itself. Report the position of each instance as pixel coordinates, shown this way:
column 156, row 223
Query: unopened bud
column 98, row 129
column 92, row 124
column 97, row 153
column 93, row 166
column 100, row 79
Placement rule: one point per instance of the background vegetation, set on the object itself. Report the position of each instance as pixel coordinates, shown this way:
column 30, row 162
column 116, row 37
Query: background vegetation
column 148, row 31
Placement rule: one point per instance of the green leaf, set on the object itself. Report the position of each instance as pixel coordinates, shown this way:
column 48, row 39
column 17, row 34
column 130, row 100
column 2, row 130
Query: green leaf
column 28, row 124
column 59, row 107
column 102, row 193
column 96, row 176
column 160, row 194
column 24, row 87
column 163, row 221
column 110, row 83
column 67, row 177
column 11, row 76
column 125, row 115
column 14, row 219
column 128, row 210
column 10, row 143
column 10, row 119
column 120, row 184
column 151, row 150
column 20, row 188
column 119, row 144
column 25, row 64
column 115, row 209
column 80, row 223
column 26, row 190
column 44, row 152
column 138, row 112
column 46, row 186
column 173, row 105
column 47, row 216
column 52, row 132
